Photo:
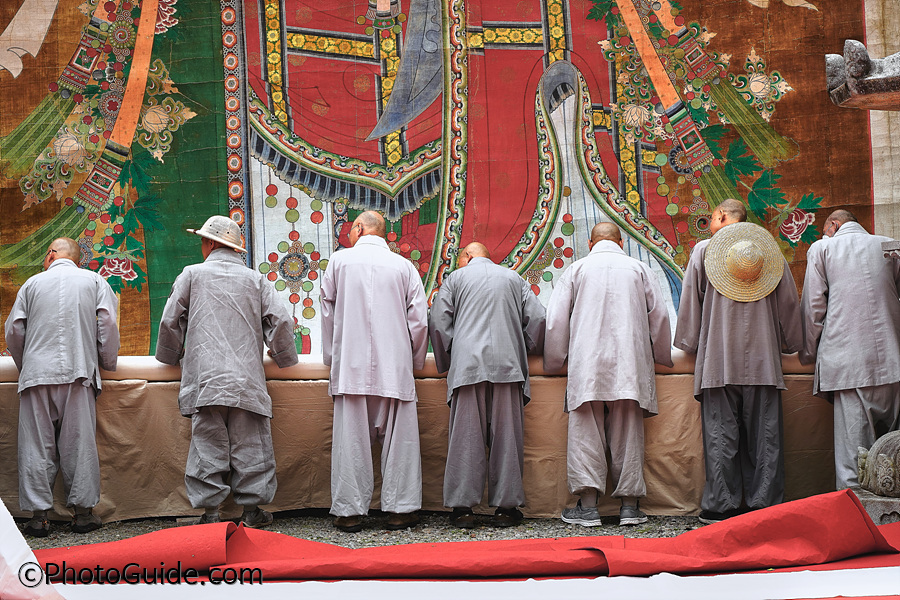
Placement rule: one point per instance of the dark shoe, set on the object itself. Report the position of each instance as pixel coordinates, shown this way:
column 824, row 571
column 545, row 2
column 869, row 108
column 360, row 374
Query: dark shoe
column 708, row 517
column 205, row 519
column 398, row 521
column 350, row 524
column 256, row 519
column 463, row 518
column 85, row 523
column 631, row 515
column 38, row 527
column 506, row 517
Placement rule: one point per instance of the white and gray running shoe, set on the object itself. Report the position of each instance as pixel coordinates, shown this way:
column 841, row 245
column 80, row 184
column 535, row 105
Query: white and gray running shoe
column 631, row 515
column 586, row 517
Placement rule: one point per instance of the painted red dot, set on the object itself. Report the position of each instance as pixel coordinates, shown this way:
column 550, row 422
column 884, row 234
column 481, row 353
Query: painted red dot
column 717, row 162
column 307, row 302
column 423, row 267
column 92, row 216
column 559, row 242
column 536, row 289
column 108, row 240
column 107, row 48
column 698, row 173
column 689, row 96
column 679, row 20
column 111, row 16
column 107, row 133
column 568, row 252
column 392, row 237
column 69, row 201
column 681, row 226
column 87, row 119
column 109, row 6
column 53, row 86
column 315, row 256
column 272, row 276
column 652, row 18
column 271, row 189
column 118, row 228
column 118, row 200
column 317, row 217
column 126, row 6
column 404, row 248
column 692, row 243
column 625, row 40
column 558, row 263
column 706, row 89
column 567, row 218
column 273, row 257
column 94, row 138
column 685, row 210
column 614, row 10
column 690, row 76
column 312, row 276
column 661, row 42
column 92, row 52
column 118, row 66
column 89, row 233
column 101, row 65
column 672, row 39
column 104, row 218
column 294, row 298
column 291, row 203
column 385, row 33
column 78, row 98
column 294, row 235
column 93, row 265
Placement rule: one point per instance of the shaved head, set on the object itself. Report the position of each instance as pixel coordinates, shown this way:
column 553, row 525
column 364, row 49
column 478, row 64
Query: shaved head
column 836, row 219
column 63, row 248
column 606, row 231
column 367, row 223
column 733, row 209
column 473, row 250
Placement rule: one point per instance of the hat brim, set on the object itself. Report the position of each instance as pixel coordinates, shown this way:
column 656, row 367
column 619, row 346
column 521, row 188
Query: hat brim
column 727, row 283
column 217, row 239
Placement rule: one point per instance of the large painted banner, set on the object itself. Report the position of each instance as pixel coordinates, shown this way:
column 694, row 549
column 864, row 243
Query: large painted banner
column 517, row 123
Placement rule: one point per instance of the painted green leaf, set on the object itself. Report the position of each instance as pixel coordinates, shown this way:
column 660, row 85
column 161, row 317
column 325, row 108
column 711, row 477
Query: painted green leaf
column 700, row 116
column 740, row 161
column 134, row 246
column 115, row 282
column 764, row 194
column 600, row 9
column 712, row 135
column 809, row 202
column 811, row 234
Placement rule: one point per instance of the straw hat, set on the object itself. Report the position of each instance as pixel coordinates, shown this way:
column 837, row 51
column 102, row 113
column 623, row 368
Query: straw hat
column 743, row 262
column 223, row 230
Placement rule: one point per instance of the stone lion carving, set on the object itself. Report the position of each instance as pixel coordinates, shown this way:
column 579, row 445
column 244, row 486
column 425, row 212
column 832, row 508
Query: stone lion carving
column 878, row 466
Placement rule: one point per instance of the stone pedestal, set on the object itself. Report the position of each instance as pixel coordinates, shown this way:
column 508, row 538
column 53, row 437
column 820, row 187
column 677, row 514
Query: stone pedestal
column 881, row 509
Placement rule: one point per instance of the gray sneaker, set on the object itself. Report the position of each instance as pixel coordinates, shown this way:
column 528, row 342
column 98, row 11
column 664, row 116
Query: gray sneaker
column 579, row 515
column 631, row 515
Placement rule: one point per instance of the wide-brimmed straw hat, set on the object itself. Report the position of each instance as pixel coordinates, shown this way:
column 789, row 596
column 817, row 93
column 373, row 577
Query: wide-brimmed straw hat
column 743, row 262
column 223, row 230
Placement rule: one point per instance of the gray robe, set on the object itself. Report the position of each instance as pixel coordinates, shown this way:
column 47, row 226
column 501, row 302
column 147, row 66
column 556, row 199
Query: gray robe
column 374, row 321
column 62, row 327
column 736, row 343
column 851, row 311
column 483, row 322
column 607, row 315
column 215, row 321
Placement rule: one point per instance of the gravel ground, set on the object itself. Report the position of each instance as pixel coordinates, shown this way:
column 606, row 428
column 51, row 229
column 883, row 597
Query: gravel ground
column 316, row 525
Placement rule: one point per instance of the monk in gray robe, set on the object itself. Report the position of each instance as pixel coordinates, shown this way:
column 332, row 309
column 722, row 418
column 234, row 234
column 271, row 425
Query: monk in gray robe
column 851, row 330
column 607, row 315
column 374, row 333
column 483, row 323
column 738, row 379
column 60, row 331
column 215, row 322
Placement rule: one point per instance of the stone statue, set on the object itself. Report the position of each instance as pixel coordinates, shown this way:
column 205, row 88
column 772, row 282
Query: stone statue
column 878, row 466
column 855, row 80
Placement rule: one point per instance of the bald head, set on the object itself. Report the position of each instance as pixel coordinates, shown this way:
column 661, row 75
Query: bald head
column 473, row 250
column 836, row 219
column 367, row 223
column 727, row 212
column 605, row 231
column 63, row 248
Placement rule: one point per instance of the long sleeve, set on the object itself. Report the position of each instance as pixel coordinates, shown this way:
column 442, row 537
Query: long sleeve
column 14, row 330
column 107, row 328
column 173, row 323
column 328, row 291
column 440, row 325
column 813, row 305
column 658, row 320
column 534, row 320
column 278, row 329
column 556, row 338
column 417, row 319
column 789, row 312
column 690, row 309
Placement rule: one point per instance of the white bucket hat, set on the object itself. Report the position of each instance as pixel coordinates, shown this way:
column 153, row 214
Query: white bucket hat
column 223, row 230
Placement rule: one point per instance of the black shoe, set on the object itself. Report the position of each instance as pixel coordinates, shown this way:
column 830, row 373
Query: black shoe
column 463, row 518
column 709, row 517
column 37, row 527
column 506, row 517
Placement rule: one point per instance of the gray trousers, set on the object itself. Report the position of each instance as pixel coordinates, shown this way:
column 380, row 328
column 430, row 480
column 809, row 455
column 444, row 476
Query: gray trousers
column 358, row 422
column 231, row 450
column 743, row 444
column 57, row 431
column 596, row 426
column 861, row 416
column 492, row 415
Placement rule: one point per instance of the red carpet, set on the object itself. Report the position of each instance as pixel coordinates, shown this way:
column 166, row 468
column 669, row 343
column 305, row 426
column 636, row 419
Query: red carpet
column 813, row 531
